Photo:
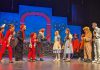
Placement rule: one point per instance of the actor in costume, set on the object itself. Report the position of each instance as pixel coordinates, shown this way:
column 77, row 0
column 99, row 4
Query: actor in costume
column 76, row 44
column 32, row 47
column 57, row 46
column 20, row 40
column 87, row 45
column 1, row 35
column 96, row 34
column 40, row 48
column 68, row 49
column 81, row 48
column 6, row 43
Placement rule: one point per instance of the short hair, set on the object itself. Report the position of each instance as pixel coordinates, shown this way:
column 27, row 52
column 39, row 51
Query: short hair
column 42, row 30
column 10, row 26
column 95, row 23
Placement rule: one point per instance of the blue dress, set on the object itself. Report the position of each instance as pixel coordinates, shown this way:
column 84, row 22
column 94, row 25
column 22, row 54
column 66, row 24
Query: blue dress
column 68, row 49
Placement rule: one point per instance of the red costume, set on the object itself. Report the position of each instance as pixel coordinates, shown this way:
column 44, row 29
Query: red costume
column 76, row 45
column 6, row 45
column 32, row 49
column 1, row 38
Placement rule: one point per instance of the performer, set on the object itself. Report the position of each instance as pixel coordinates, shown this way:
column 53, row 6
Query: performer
column 6, row 43
column 20, row 40
column 32, row 47
column 57, row 46
column 87, row 45
column 68, row 49
column 96, row 34
column 81, row 48
column 76, row 44
column 40, row 48
column 1, row 34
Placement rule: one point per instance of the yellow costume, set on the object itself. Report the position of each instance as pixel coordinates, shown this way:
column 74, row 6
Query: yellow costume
column 87, row 43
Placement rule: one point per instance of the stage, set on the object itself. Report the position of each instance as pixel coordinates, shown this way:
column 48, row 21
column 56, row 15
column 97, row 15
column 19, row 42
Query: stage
column 48, row 64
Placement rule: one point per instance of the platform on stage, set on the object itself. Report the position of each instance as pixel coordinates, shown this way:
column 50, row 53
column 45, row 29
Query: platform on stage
column 48, row 64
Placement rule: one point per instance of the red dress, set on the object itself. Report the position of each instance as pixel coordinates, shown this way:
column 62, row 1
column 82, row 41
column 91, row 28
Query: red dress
column 32, row 50
column 76, row 45
column 6, row 46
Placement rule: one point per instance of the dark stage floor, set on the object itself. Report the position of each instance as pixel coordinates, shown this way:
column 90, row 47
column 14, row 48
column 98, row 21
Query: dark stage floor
column 48, row 64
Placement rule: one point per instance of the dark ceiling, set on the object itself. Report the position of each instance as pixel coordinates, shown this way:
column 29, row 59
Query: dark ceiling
column 59, row 7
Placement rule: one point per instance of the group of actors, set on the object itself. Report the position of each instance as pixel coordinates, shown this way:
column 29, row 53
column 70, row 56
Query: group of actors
column 72, row 44
column 18, row 39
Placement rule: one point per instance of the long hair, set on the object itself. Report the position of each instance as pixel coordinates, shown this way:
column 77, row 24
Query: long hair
column 67, row 37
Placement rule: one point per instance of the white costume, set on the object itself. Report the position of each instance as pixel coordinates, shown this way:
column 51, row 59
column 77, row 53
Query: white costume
column 57, row 46
column 97, row 44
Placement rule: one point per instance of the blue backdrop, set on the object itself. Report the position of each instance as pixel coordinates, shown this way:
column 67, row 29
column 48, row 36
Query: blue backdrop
column 34, row 23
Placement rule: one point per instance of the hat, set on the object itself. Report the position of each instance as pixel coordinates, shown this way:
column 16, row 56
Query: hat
column 3, row 26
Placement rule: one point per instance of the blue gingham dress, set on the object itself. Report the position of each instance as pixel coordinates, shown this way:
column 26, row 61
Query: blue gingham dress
column 68, row 49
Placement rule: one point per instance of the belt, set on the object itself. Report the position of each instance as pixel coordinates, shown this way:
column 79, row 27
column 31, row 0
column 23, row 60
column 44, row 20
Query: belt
column 97, row 37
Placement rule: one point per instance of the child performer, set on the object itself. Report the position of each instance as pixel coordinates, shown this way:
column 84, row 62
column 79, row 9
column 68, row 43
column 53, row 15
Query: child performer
column 57, row 46
column 76, row 44
column 68, row 50
column 6, row 42
column 81, row 48
column 32, row 47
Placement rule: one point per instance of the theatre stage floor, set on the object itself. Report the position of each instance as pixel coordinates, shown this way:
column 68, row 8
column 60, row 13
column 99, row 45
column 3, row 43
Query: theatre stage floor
column 48, row 64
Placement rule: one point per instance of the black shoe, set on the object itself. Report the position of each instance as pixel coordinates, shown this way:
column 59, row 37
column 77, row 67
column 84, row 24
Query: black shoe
column 10, row 61
column 41, row 59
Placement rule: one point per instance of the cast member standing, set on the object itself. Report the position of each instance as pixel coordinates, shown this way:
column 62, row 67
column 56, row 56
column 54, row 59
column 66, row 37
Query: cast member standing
column 40, row 47
column 96, row 34
column 20, row 41
column 57, row 46
column 76, row 44
column 81, row 48
column 68, row 49
column 1, row 35
column 32, row 47
column 6, row 42
column 87, row 45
